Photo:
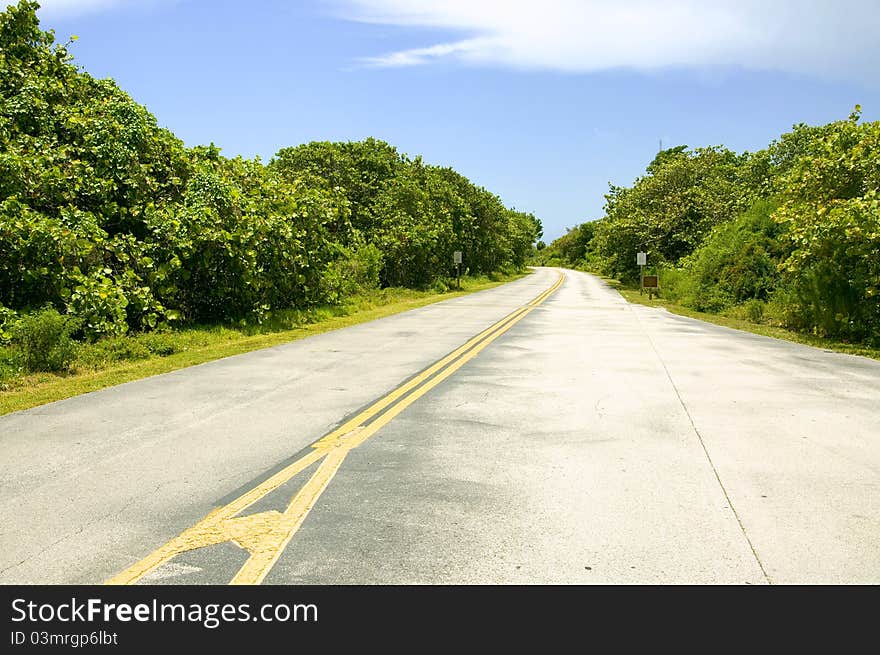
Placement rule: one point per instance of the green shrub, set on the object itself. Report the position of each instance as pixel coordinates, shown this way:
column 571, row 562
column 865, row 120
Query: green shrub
column 43, row 340
column 161, row 344
column 365, row 265
column 118, row 349
column 782, row 310
column 834, row 270
column 751, row 310
column 738, row 262
column 675, row 284
column 101, row 304
column 8, row 318
column 357, row 269
column 9, row 369
column 754, row 310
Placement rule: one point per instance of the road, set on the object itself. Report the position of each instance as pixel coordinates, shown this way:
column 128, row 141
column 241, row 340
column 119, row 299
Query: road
column 545, row 431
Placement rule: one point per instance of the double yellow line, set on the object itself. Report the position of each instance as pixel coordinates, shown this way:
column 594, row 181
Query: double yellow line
column 265, row 535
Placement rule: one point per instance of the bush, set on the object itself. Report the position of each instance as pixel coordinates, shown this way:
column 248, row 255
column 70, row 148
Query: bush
column 834, row 270
column 116, row 349
column 8, row 318
column 782, row 310
column 129, row 348
column 7, row 375
column 161, row 344
column 751, row 310
column 43, row 340
column 737, row 263
column 754, row 310
column 674, row 283
column 357, row 269
column 9, row 368
column 365, row 266
column 101, row 304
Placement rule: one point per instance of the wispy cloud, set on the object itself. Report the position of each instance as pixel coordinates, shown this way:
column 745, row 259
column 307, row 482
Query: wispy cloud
column 423, row 55
column 828, row 38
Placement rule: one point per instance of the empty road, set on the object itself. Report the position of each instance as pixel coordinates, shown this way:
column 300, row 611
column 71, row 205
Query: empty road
column 545, row 431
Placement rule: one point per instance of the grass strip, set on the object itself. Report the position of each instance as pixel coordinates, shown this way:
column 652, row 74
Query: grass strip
column 197, row 345
column 631, row 294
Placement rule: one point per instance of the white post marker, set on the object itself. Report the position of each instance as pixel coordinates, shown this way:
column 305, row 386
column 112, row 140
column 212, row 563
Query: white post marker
column 641, row 260
column 456, row 259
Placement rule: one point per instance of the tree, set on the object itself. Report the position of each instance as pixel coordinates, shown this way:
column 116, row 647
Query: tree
column 831, row 212
column 108, row 217
column 668, row 212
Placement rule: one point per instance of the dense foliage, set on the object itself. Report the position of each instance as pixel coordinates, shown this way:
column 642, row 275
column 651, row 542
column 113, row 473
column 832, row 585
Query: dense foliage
column 416, row 214
column 789, row 234
column 110, row 219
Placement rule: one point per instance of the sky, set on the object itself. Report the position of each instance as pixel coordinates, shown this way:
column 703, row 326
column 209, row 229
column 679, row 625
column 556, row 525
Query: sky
column 542, row 102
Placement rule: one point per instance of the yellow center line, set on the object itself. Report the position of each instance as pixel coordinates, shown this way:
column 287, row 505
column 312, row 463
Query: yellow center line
column 265, row 535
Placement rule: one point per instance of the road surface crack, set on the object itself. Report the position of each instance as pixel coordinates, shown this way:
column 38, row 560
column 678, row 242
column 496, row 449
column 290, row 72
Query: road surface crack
column 69, row 535
column 703, row 445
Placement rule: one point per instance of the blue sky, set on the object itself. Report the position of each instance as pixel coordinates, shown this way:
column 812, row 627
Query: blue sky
column 543, row 103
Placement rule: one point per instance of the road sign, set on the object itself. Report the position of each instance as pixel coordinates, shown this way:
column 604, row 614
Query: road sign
column 456, row 257
column 641, row 261
column 651, row 284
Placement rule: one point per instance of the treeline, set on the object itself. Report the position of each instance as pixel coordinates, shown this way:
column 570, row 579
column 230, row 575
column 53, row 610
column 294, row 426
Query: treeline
column 112, row 221
column 788, row 235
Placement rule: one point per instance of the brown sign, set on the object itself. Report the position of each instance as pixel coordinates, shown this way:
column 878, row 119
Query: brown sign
column 650, row 282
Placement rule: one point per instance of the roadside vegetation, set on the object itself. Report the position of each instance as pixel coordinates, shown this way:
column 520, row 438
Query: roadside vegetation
column 738, row 320
column 90, row 366
column 118, row 243
column 787, row 238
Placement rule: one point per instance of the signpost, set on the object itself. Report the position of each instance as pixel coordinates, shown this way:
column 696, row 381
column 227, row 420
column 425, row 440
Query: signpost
column 456, row 259
column 641, row 260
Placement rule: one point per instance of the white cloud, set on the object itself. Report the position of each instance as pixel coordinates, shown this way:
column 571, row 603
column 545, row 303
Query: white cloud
column 829, row 38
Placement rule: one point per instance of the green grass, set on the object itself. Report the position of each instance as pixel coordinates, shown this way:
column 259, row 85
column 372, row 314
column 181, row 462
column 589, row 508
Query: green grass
column 631, row 294
column 114, row 361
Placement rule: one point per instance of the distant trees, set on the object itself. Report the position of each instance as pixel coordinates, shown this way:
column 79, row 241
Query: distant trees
column 571, row 247
column 417, row 214
column 110, row 219
column 668, row 212
column 789, row 234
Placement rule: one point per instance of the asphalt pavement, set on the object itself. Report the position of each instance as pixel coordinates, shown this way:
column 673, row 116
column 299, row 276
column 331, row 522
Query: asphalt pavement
column 508, row 436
